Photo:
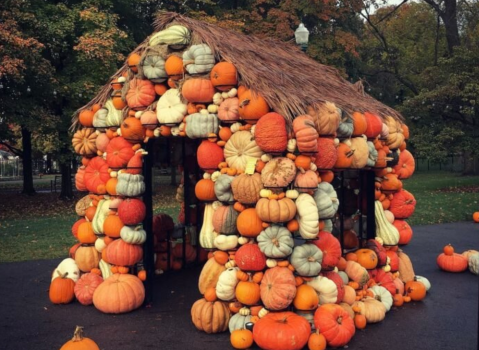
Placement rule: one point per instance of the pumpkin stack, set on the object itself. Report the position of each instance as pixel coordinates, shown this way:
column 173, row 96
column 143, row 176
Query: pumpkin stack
column 274, row 265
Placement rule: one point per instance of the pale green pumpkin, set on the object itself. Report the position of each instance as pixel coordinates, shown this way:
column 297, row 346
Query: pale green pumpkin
column 200, row 125
column 107, row 116
column 153, row 67
column 175, row 36
column 223, row 188
column 276, row 242
column 238, row 321
column 130, row 185
column 199, row 59
column 326, row 200
column 306, row 259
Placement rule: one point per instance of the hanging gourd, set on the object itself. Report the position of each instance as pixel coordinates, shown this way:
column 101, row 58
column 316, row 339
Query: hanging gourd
column 198, row 59
column 140, row 94
column 270, row 133
column 170, row 108
column 175, row 36
column 239, row 148
column 326, row 117
column 201, row 125
column 198, row 90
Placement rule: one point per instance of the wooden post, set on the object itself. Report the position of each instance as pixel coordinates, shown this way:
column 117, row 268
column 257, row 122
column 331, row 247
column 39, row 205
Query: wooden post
column 148, row 247
column 370, row 201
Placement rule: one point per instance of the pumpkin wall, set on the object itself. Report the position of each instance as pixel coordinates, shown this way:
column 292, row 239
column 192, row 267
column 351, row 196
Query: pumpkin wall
column 270, row 218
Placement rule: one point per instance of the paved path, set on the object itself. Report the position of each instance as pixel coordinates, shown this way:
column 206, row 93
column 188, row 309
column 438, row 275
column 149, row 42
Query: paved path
column 446, row 319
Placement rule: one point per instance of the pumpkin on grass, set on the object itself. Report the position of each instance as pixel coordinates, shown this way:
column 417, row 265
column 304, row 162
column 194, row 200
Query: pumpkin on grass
column 281, row 331
column 79, row 342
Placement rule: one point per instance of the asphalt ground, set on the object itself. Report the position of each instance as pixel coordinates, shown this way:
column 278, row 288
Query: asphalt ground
column 446, row 319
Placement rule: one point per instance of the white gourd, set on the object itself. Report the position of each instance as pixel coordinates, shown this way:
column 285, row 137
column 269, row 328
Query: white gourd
column 224, row 242
column 307, row 216
column 225, row 288
column 383, row 295
column 207, row 233
column 325, row 288
column 100, row 244
column 133, row 234
column 473, row 263
column 384, row 229
column 69, row 266
column 102, row 211
column 175, row 36
column 425, row 281
column 130, row 185
column 238, row 321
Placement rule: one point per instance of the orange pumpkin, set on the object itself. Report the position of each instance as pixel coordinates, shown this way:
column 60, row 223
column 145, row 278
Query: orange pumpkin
column 96, row 175
column 205, row 190
column 374, row 125
column 117, row 100
column 198, row 90
column 344, row 156
column 140, row 94
column 61, row 289
column 132, row 130
column 359, row 124
column 174, row 67
column 133, row 61
column 367, row 258
column 270, row 133
column 86, row 118
column 252, row 106
column 224, row 76
column 248, row 223
column 327, row 155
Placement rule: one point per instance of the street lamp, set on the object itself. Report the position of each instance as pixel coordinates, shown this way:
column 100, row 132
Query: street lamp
column 302, row 35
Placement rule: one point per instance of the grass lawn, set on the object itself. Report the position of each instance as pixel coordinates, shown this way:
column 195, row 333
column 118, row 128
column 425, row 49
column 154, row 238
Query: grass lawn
column 39, row 227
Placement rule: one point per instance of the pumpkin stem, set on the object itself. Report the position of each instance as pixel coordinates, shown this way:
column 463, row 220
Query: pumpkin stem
column 340, row 319
column 301, row 169
column 275, row 242
column 244, row 103
column 62, row 275
column 311, row 259
column 78, row 335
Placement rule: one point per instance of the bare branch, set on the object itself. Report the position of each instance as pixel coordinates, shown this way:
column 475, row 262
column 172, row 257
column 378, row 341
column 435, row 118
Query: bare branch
column 14, row 150
column 391, row 13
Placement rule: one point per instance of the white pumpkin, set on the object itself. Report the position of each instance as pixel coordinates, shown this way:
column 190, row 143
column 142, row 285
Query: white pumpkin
column 176, row 36
column 225, row 288
column 473, row 263
column 130, row 185
column 153, row 67
column 224, row 242
column 238, row 321
column 200, row 125
column 326, row 200
column 198, row 59
column 67, row 266
column 425, row 281
column 275, row 242
column 107, row 116
column 307, row 216
column 133, row 234
column 170, row 108
column 239, row 148
column 306, row 260
column 325, row 288
column 207, row 233
column 383, row 295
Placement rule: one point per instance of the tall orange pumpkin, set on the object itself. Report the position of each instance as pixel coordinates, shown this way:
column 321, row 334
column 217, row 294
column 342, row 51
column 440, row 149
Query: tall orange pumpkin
column 224, row 76
column 360, row 124
column 174, row 67
column 270, row 133
column 252, row 105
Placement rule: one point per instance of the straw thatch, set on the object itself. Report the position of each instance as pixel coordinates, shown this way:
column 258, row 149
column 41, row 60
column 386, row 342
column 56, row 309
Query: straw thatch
column 288, row 79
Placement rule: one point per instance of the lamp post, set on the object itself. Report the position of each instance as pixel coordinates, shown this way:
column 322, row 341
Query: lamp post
column 302, row 35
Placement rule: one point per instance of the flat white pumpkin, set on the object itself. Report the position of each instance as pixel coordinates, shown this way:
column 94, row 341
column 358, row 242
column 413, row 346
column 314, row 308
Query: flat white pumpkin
column 201, row 125
column 306, row 259
column 68, row 266
column 325, row 288
column 153, row 67
column 326, row 200
column 133, row 234
column 239, row 148
column 383, row 295
column 130, row 185
column 275, row 242
column 224, row 242
column 170, row 108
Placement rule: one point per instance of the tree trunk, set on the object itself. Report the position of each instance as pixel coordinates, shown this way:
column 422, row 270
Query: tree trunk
column 449, row 17
column 66, row 171
column 469, row 164
column 27, row 162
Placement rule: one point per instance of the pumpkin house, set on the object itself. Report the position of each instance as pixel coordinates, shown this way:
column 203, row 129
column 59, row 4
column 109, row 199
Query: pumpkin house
column 299, row 195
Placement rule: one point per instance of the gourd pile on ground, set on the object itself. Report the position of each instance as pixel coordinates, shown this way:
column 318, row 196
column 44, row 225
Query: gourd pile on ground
column 269, row 207
column 450, row 261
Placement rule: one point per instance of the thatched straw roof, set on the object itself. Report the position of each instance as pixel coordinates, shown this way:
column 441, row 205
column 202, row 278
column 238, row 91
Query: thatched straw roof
column 288, row 79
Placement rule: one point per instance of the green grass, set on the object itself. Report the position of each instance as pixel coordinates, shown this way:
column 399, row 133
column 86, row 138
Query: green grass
column 35, row 238
column 443, row 197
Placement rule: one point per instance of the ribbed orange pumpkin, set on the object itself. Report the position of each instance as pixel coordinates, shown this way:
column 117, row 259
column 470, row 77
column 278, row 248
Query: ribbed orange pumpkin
column 209, row 155
column 335, row 324
column 331, row 249
column 96, row 175
column 305, row 133
column 80, row 180
column 452, row 262
column 281, row 331
column 61, row 289
column 141, row 94
column 174, row 67
column 344, row 156
column 121, row 253
column 224, row 76
column 327, row 155
column 252, row 105
column 359, row 124
column 86, row 286
column 278, row 288
column 405, row 166
column 248, row 223
column 205, row 190
column 403, row 204
column 374, row 125
column 405, row 231
column 198, row 90
column 118, row 152
column 119, row 293
column 132, row 130
column 270, row 133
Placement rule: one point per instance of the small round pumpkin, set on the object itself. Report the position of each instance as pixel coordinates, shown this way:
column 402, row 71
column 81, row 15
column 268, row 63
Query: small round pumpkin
column 79, row 342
